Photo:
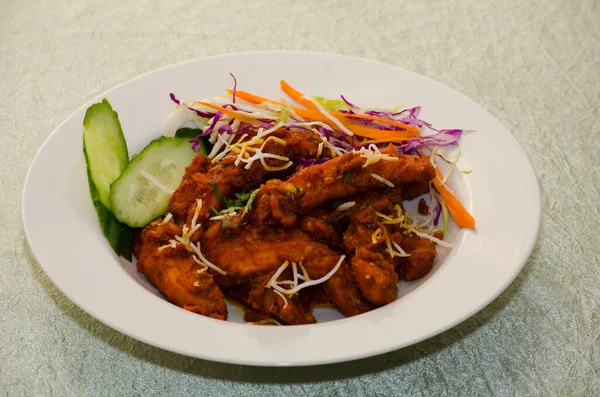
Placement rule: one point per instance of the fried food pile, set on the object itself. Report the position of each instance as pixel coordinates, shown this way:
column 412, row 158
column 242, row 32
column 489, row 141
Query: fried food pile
column 326, row 234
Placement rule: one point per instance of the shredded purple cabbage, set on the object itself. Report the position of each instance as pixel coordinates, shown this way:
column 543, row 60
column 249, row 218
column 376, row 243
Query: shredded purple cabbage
column 348, row 102
column 233, row 107
column 198, row 112
column 174, row 99
column 441, row 138
column 225, row 128
column 195, row 144
column 234, row 87
column 438, row 211
column 304, row 161
column 243, row 128
column 213, row 124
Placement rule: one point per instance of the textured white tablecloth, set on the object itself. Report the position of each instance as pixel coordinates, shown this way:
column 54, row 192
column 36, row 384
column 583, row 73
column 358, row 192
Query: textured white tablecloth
column 535, row 65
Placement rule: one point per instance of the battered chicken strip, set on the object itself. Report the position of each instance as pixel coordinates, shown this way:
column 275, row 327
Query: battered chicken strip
column 343, row 290
column 319, row 230
column 192, row 187
column 336, row 179
column 298, row 144
column 175, row 273
column 202, row 174
column 345, row 176
column 290, row 311
column 422, row 253
column 415, row 189
column 376, row 277
column 252, row 255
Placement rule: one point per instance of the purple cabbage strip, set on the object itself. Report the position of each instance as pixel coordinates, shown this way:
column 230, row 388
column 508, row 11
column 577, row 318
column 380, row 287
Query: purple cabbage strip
column 225, row 128
column 438, row 211
column 243, row 128
column 442, row 138
column 324, row 131
column 304, row 161
column 174, row 99
column 213, row 124
column 376, row 113
column 195, row 144
column 234, row 86
column 348, row 102
column 198, row 112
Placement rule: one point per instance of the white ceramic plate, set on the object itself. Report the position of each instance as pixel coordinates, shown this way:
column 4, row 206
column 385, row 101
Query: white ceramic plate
column 502, row 193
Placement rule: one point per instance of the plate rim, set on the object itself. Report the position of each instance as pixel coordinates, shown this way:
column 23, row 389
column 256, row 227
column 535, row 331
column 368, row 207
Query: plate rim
column 482, row 304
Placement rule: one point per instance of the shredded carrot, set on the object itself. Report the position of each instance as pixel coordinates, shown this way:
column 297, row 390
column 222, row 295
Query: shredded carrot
column 461, row 216
column 236, row 115
column 296, row 95
column 358, row 129
column 380, row 119
column 248, row 97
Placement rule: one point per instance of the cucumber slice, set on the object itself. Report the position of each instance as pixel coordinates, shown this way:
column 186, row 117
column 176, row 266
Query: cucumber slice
column 106, row 150
column 119, row 236
column 142, row 192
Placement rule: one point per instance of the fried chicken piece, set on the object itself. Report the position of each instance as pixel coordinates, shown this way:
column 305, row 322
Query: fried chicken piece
column 252, row 255
column 320, row 231
column 374, row 273
column 342, row 289
column 190, row 188
column 176, row 274
column 415, row 189
column 344, row 176
column 375, row 277
column 298, row 144
column 338, row 178
column 422, row 253
column 202, row 174
column 290, row 311
column 363, row 220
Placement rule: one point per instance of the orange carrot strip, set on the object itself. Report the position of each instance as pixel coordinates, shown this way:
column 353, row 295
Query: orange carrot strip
column 380, row 119
column 383, row 135
column 461, row 216
column 296, row 95
column 248, row 97
column 367, row 132
column 232, row 113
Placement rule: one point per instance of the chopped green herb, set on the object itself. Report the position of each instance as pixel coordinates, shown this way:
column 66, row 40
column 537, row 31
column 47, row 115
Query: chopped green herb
column 229, row 210
column 467, row 172
column 224, row 200
column 240, row 198
column 249, row 203
column 346, row 177
column 214, row 211
column 298, row 190
column 243, row 196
